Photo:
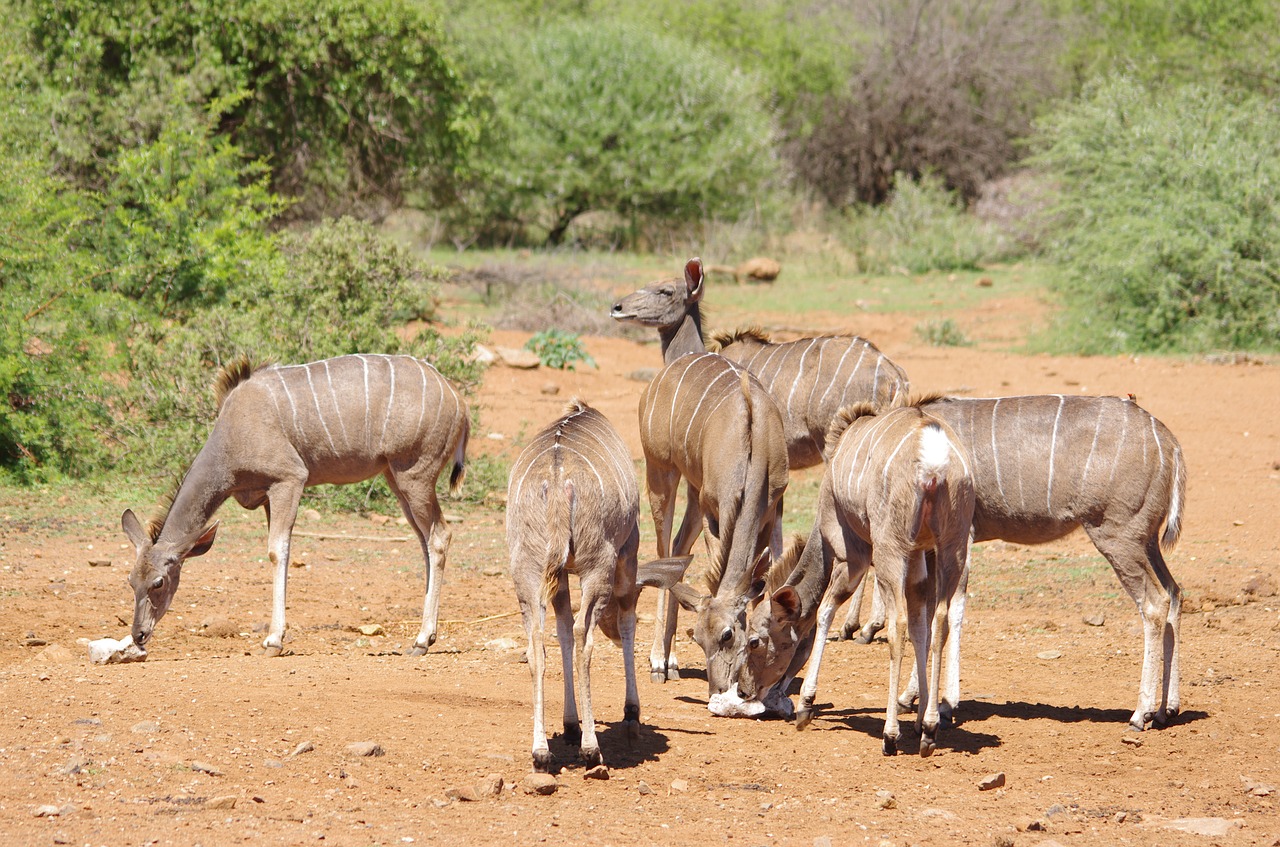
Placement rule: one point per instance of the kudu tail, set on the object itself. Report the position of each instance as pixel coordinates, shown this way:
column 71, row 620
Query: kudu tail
column 459, row 473
column 1177, row 496
column 932, row 464
column 562, row 501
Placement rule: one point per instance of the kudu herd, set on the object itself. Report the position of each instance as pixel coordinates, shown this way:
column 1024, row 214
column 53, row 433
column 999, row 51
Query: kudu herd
column 908, row 486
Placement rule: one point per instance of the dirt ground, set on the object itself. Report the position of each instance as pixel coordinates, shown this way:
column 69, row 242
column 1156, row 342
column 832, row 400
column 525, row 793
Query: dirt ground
column 208, row 742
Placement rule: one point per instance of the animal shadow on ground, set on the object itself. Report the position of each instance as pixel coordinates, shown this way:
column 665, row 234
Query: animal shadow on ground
column 981, row 710
column 619, row 753
column 869, row 721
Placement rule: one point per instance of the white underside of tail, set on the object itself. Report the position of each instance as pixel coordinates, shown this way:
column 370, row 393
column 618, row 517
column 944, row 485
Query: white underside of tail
column 935, row 450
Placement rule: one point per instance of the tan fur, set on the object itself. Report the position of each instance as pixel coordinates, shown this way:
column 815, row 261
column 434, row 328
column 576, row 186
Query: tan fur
column 720, row 340
column 232, row 374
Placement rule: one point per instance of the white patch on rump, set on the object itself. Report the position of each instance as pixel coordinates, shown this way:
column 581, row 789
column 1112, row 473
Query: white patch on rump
column 935, row 448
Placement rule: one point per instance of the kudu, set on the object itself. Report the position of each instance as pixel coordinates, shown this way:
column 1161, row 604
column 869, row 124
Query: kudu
column 1046, row 464
column 710, row 422
column 897, row 485
column 812, row 378
column 673, row 307
column 572, row 508
column 280, row 429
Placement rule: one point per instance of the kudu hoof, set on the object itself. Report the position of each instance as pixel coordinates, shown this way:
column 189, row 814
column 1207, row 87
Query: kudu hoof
column 542, row 761
column 272, row 650
column 633, row 733
column 846, row 633
column 890, row 746
column 591, row 756
column 928, row 743
column 416, row 650
column 803, row 718
column 946, row 716
column 657, row 676
column 865, row 638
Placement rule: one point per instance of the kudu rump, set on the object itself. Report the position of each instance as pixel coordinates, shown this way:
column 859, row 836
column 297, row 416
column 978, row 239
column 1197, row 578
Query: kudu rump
column 1046, row 464
column 282, row 428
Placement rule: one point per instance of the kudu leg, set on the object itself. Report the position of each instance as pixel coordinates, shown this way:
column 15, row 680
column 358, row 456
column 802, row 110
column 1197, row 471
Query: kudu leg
column 853, row 618
column 534, row 615
column 596, row 589
column 875, row 623
column 282, row 511
column 625, row 595
column 415, row 489
column 948, row 699
column 564, row 633
column 663, row 665
column 1147, row 581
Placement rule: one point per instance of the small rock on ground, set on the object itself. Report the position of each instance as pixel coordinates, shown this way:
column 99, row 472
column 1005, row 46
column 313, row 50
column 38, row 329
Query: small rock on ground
column 598, row 772
column 539, row 783
column 466, row 794
column 991, row 781
column 303, row 747
column 491, row 785
column 365, row 748
column 226, row 801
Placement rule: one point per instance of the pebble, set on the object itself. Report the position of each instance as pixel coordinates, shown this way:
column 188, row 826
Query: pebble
column 145, row 727
column 205, row 767
column 47, row 811
column 1209, row 827
column 550, row 389
column 1131, row 740
column 991, row 781
column 1049, row 654
column 371, row 629
column 598, row 772
column 303, row 747
column 464, row 794
column 365, row 748
column 539, row 783
column 514, row 357
column 643, row 787
column 1095, row 620
column 491, row 785
column 680, row 785
column 886, row 800
column 99, row 563
column 226, row 801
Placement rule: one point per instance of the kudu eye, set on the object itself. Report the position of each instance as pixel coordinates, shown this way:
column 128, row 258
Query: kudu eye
column 754, row 642
column 156, row 583
column 726, row 636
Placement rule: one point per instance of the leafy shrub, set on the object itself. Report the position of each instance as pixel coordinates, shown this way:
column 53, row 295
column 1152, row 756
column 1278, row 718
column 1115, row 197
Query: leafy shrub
column 556, row 348
column 1169, row 233
column 601, row 116
column 946, row 87
column 352, row 102
column 922, row 227
column 941, row 333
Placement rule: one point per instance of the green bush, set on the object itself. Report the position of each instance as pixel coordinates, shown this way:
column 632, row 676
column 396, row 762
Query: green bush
column 556, row 348
column 941, row 333
column 922, row 227
column 1169, row 233
column 352, row 102
column 607, row 117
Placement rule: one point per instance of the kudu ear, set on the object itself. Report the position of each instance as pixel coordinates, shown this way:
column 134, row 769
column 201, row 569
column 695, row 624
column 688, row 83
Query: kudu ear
column 759, row 573
column 687, row 596
column 663, row 573
column 693, row 277
column 785, row 604
column 133, row 528
column 203, row 543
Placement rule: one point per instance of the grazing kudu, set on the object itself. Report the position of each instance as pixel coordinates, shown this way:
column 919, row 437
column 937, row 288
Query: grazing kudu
column 572, row 508
column 812, row 378
column 1046, row 464
column 897, row 485
column 280, row 429
column 710, row 422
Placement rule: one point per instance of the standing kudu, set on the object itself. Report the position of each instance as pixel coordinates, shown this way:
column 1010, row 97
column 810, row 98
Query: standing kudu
column 572, row 508
column 282, row 428
column 897, row 485
column 710, row 422
column 1046, row 464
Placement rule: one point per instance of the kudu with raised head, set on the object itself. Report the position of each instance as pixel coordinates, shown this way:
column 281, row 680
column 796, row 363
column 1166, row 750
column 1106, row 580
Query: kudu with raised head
column 573, row 508
column 280, row 429
column 1047, row 464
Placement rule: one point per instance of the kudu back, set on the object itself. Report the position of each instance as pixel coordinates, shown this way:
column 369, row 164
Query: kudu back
column 1047, row 464
column 282, row 428
column 813, row 378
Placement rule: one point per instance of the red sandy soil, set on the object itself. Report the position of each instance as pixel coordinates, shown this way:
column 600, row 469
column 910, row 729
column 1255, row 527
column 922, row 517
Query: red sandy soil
column 196, row 745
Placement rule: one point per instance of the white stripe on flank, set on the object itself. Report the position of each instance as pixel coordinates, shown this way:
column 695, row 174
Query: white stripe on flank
column 888, row 464
column 365, row 364
column 1124, row 433
column 817, row 376
column 995, row 453
column 422, row 399
column 799, row 373
column 1097, row 428
column 315, row 399
column 840, row 369
column 337, row 407
column 292, row 407
column 1053, row 446
column 391, row 399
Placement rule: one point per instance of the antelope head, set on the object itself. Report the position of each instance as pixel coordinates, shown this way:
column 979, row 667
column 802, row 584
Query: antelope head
column 663, row 304
column 155, row 574
column 772, row 637
column 721, row 631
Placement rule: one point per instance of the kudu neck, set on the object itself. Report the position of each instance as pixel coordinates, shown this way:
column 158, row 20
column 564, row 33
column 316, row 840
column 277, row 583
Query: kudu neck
column 685, row 337
column 205, row 487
